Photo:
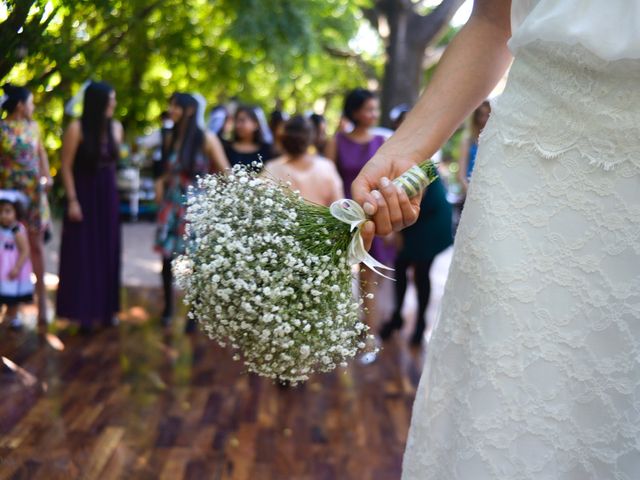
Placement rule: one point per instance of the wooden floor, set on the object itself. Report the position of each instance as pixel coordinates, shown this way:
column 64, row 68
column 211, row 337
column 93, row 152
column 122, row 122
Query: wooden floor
column 139, row 402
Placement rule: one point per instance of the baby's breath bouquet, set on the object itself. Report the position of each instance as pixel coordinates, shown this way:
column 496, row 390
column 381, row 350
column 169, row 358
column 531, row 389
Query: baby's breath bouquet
column 269, row 273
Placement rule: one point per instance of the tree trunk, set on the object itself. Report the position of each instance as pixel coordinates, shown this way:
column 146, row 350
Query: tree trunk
column 410, row 33
column 403, row 69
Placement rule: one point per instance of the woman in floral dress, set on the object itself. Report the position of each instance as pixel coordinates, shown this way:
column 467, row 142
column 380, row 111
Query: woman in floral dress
column 188, row 152
column 25, row 169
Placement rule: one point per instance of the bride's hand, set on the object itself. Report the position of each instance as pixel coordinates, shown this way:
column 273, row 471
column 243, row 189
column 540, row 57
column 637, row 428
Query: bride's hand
column 389, row 207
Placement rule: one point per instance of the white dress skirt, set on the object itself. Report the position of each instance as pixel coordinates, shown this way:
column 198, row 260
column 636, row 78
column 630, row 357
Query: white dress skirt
column 533, row 371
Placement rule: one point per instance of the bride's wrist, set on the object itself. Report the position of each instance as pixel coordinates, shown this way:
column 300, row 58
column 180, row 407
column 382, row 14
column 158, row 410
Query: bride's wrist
column 395, row 150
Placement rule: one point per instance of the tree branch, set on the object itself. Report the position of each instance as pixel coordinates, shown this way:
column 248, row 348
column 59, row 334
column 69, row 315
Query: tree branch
column 9, row 35
column 135, row 18
column 16, row 19
column 368, row 70
column 372, row 15
column 427, row 27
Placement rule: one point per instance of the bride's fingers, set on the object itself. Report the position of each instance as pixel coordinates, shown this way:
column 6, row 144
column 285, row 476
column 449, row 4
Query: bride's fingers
column 390, row 193
column 410, row 207
column 381, row 218
column 361, row 192
column 368, row 232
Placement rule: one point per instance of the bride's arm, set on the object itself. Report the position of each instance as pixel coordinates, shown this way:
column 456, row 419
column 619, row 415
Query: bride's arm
column 472, row 65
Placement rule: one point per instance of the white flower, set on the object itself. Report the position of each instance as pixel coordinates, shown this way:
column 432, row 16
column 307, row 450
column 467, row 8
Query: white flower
column 253, row 282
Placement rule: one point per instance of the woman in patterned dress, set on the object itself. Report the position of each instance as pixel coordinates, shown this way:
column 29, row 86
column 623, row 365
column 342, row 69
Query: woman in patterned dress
column 25, row 169
column 189, row 151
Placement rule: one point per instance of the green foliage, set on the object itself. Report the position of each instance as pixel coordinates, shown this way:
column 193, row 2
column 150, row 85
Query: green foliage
column 258, row 50
column 300, row 53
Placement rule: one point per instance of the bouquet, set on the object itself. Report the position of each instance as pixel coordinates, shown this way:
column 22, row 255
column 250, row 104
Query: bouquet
column 269, row 273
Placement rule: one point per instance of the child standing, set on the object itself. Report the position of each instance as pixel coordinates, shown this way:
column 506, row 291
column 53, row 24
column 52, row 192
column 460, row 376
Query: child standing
column 15, row 266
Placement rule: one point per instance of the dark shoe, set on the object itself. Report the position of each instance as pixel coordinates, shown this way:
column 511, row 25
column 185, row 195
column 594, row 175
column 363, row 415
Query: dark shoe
column 113, row 321
column 190, row 326
column 284, row 384
column 166, row 320
column 85, row 330
column 417, row 337
column 16, row 324
column 391, row 326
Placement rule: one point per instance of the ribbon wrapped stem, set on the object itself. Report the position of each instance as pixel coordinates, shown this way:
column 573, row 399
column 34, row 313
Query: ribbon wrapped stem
column 414, row 181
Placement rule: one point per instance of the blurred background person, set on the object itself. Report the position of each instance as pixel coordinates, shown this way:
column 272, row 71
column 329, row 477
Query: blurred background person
column 277, row 120
column 469, row 147
column 218, row 120
column 419, row 245
column 320, row 139
column 25, row 169
column 89, row 289
column 350, row 151
column 159, row 158
column 154, row 142
column 189, row 151
column 249, row 141
column 315, row 177
column 15, row 267
column 397, row 115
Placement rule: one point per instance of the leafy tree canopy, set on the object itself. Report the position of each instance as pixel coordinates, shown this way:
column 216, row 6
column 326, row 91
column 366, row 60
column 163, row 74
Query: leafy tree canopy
column 261, row 51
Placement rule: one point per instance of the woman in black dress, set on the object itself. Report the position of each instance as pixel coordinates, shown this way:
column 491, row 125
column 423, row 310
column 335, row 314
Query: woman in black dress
column 248, row 144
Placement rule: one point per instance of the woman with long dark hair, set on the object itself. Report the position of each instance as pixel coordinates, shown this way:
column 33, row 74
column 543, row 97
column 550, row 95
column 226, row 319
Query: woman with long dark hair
column 248, row 142
column 90, row 252
column 189, row 151
column 25, row 169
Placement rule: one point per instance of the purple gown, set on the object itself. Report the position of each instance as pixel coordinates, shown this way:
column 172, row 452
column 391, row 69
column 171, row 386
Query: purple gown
column 89, row 289
column 351, row 157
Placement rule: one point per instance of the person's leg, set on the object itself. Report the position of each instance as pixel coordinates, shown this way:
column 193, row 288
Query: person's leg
column 423, row 285
column 11, row 316
column 167, row 288
column 36, row 247
column 400, row 289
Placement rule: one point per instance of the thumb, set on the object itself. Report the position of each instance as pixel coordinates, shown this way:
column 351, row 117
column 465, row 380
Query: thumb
column 361, row 193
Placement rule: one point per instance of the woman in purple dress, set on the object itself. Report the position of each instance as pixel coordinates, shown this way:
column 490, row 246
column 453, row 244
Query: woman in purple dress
column 90, row 253
column 351, row 151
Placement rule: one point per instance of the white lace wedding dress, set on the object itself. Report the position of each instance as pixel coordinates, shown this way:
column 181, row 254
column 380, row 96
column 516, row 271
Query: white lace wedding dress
column 533, row 371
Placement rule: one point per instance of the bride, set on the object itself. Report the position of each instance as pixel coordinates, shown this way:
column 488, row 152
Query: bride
column 533, row 371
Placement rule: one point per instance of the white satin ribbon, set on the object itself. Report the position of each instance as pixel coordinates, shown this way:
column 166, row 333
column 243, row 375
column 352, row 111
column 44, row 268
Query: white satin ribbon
column 351, row 213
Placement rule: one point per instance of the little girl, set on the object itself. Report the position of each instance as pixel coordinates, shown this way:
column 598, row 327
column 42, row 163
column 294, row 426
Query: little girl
column 15, row 267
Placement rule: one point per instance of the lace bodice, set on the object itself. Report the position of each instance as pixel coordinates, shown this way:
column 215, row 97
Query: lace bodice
column 594, row 104
column 609, row 29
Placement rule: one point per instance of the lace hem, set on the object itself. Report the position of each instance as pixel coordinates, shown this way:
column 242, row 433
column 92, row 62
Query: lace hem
column 595, row 105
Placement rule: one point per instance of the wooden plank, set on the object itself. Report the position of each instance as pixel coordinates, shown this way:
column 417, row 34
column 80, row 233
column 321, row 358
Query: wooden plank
column 103, row 450
column 140, row 402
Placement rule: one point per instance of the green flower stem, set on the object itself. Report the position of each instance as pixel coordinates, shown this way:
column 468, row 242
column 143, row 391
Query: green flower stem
column 415, row 180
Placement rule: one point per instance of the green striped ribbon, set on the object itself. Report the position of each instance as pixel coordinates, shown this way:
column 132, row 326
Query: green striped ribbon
column 415, row 180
